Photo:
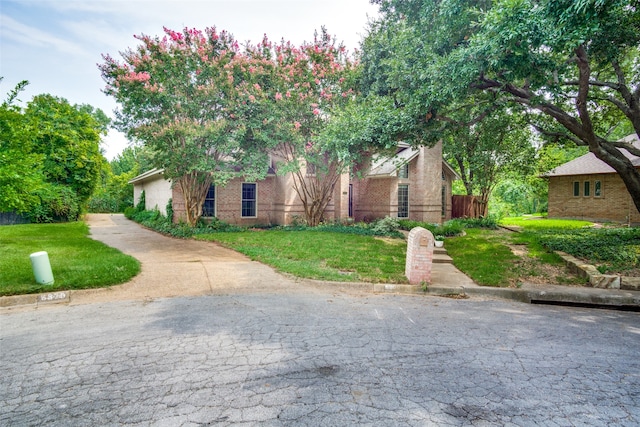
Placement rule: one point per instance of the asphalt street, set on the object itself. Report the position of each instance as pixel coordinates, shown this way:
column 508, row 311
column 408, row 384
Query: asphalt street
column 315, row 357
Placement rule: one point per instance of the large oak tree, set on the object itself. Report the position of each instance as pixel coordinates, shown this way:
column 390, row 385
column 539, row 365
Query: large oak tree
column 574, row 64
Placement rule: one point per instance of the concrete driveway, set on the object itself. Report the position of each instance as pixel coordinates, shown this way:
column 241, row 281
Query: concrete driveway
column 175, row 267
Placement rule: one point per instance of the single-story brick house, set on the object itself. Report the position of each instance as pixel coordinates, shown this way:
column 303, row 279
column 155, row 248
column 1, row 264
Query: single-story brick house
column 414, row 184
column 587, row 188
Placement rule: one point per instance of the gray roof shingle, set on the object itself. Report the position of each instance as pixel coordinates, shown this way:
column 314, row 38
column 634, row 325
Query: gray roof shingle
column 589, row 164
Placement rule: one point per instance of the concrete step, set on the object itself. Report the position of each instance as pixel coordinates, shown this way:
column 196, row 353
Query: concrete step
column 440, row 256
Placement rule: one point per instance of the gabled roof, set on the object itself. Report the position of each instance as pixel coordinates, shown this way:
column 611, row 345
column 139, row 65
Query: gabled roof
column 385, row 166
column 589, row 164
column 388, row 166
column 146, row 175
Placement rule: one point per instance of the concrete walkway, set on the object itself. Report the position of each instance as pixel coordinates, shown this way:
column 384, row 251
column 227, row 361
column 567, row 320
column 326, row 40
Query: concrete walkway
column 176, row 267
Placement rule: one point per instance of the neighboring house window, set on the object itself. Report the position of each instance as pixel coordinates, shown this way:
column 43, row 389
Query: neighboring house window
column 587, row 189
column 403, row 201
column 597, row 189
column 209, row 206
column 444, row 201
column 248, row 200
column 576, row 189
column 403, row 171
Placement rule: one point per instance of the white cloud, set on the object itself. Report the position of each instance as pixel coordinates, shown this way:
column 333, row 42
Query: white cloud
column 25, row 34
column 55, row 44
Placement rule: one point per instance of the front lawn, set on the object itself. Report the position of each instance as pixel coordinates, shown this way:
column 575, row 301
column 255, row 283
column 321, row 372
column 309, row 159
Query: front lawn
column 503, row 258
column 77, row 261
column 532, row 222
column 321, row 255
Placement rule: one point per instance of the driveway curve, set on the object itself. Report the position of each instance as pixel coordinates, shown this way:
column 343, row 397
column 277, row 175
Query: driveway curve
column 176, row 267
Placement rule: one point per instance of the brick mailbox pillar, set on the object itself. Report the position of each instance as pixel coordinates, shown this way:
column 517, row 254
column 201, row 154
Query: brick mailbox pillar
column 419, row 256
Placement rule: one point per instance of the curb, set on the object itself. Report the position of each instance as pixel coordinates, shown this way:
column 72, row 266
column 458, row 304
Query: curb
column 559, row 295
column 36, row 299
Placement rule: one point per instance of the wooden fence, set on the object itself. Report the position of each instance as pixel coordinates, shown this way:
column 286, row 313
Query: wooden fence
column 467, row 207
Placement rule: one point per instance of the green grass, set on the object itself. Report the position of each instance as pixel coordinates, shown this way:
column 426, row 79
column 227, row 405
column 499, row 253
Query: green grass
column 77, row 261
column 322, row 255
column 484, row 257
column 536, row 223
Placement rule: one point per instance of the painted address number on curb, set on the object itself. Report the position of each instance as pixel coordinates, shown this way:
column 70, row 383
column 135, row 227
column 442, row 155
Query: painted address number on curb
column 55, row 296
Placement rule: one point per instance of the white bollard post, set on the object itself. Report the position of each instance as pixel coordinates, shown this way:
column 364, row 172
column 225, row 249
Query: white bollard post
column 41, row 268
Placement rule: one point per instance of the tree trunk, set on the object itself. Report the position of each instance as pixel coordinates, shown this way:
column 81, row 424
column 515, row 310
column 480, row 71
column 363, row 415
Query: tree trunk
column 315, row 192
column 194, row 186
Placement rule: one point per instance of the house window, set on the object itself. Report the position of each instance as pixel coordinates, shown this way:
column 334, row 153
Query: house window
column 403, row 201
column 587, row 189
column 597, row 188
column 576, row 189
column 403, row 171
column 444, row 201
column 248, row 200
column 209, row 206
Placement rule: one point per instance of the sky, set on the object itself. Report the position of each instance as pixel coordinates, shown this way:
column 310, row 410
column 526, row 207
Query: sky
column 57, row 44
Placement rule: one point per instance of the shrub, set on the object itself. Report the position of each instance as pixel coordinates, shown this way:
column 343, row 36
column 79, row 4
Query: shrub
column 141, row 206
column 489, row 222
column 58, row 203
column 618, row 248
column 386, row 226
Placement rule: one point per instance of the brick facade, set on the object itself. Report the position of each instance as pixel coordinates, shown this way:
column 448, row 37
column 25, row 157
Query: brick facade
column 378, row 197
column 614, row 203
column 369, row 198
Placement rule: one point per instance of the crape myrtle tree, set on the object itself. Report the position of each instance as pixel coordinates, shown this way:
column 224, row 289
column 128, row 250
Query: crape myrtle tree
column 572, row 63
column 174, row 92
column 314, row 82
column 211, row 111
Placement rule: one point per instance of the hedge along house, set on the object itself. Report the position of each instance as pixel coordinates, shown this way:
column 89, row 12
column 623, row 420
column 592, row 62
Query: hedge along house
column 587, row 188
column 413, row 184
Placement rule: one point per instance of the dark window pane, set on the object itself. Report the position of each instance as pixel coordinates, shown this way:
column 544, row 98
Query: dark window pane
column 248, row 200
column 403, row 201
column 209, row 206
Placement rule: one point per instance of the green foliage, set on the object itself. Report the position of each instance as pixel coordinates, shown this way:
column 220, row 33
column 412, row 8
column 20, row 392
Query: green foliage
column 169, row 210
column 141, row 206
column 77, row 261
column 58, row 203
column 572, row 66
column 68, row 137
column 210, row 111
column 49, row 157
column 454, row 227
column 155, row 220
column 386, row 225
column 618, row 249
column 20, row 169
